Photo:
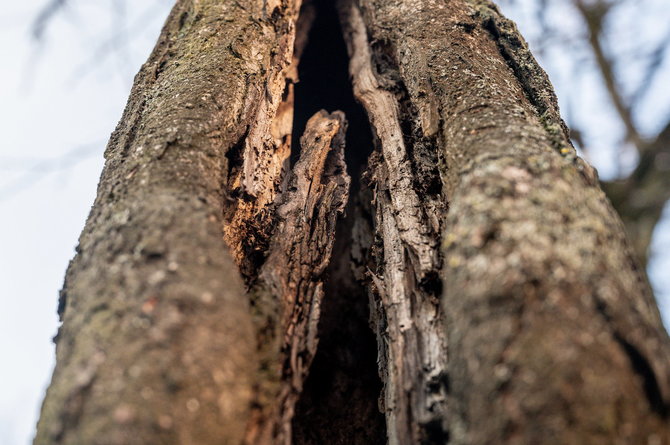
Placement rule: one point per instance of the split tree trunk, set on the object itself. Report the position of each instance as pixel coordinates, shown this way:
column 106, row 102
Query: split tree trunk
column 505, row 301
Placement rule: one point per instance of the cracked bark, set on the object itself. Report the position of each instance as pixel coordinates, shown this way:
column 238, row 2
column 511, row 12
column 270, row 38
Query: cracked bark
column 553, row 335
column 505, row 301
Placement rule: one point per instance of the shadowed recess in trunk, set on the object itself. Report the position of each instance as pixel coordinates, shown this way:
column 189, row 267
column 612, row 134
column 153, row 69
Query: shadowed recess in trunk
column 339, row 403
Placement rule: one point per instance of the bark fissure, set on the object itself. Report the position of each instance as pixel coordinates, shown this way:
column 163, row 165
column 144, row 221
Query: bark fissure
column 644, row 369
column 640, row 364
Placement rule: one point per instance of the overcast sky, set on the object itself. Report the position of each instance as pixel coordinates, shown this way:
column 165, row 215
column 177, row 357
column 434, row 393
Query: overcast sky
column 59, row 101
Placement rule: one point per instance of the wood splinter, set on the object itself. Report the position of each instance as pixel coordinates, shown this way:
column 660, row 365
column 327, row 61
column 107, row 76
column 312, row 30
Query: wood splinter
column 316, row 192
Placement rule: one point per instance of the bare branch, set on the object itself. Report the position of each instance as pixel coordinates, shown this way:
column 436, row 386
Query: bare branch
column 640, row 198
column 44, row 17
column 593, row 15
column 36, row 170
column 655, row 60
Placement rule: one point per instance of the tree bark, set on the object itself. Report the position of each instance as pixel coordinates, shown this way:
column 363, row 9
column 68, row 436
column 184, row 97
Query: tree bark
column 506, row 302
column 553, row 336
column 159, row 342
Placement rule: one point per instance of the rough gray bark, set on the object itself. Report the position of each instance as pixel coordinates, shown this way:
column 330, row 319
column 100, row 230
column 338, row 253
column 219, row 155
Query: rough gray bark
column 506, row 303
column 159, row 343
column 553, row 335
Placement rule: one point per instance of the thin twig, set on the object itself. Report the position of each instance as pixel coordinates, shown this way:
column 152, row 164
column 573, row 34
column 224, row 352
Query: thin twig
column 37, row 170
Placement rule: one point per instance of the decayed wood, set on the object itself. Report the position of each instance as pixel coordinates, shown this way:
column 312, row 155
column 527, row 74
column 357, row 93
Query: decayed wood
column 411, row 336
column 260, row 160
column 553, row 335
column 158, row 342
column 290, row 280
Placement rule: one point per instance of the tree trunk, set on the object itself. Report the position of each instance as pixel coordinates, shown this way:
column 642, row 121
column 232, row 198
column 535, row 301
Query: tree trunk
column 221, row 286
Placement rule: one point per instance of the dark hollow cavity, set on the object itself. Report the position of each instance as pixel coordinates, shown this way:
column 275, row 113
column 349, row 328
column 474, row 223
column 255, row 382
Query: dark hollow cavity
column 324, row 83
column 339, row 402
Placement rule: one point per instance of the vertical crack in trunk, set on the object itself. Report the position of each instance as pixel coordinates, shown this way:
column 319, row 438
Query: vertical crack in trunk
column 282, row 231
column 386, row 262
column 339, row 403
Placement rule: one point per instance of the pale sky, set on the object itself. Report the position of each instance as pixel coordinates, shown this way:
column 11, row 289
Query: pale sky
column 59, row 102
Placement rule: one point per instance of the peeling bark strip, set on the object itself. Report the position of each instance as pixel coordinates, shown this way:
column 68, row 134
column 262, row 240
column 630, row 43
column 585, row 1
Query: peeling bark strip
column 300, row 250
column 405, row 282
column 553, row 335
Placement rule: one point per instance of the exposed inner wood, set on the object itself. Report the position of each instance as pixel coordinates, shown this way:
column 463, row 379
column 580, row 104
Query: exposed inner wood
column 259, row 162
column 316, row 193
column 403, row 274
